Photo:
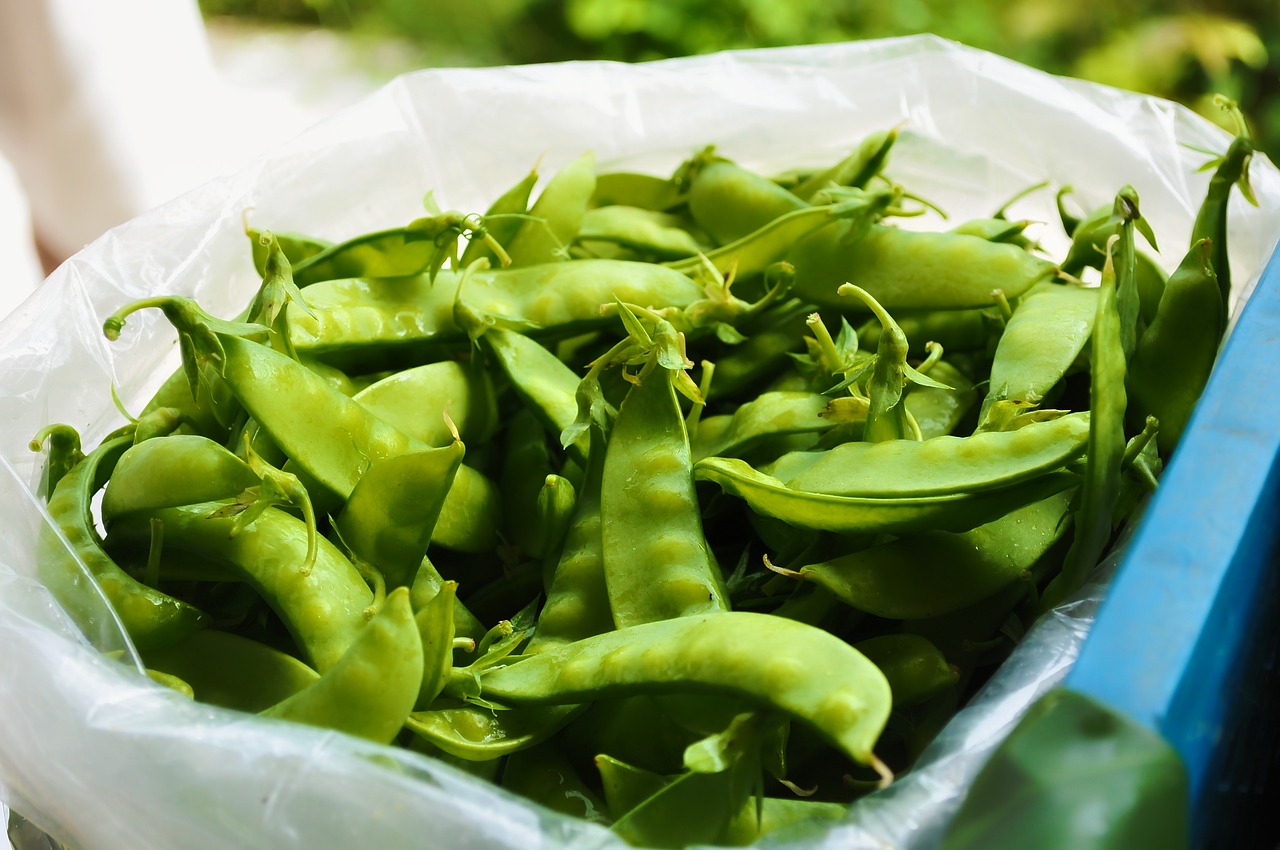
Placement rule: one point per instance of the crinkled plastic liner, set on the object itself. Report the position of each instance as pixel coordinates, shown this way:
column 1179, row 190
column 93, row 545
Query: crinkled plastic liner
column 97, row 756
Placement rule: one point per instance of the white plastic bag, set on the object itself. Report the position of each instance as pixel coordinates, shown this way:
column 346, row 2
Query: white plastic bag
column 101, row 758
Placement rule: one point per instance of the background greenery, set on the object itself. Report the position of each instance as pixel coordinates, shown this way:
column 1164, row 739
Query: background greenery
column 1178, row 49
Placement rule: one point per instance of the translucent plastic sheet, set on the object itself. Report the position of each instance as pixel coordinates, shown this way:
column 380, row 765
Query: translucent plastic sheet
column 99, row 757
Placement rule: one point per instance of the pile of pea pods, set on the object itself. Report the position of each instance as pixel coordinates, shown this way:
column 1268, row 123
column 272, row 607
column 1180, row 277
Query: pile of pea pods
column 690, row 504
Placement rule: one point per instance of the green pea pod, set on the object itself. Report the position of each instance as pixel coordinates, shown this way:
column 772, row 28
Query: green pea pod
column 916, row 670
column 577, row 604
column 911, row 269
column 231, row 671
column 436, row 628
column 968, row 330
column 938, row 412
column 1175, row 355
column 323, row 609
column 754, row 252
column 80, row 573
column 555, row 504
column 940, row 466
column 398, row 252
column 729, row 201
column 626, row 786
column 763, row 419
column 1100, row 485
column 874, row 515
column 933, row 573
column 371, row 689
column 652, row 235
column 556, row 216
column 502, row 221
column 417, row 400
column 857, row 169
column 181, row 469
column 391, row 515
column 632, row 189
column 657, row 561
column 1043, row 339
column 478, row 734
column 1230, row 169
column 808, row 674
column 63, row 444
column 525, row 467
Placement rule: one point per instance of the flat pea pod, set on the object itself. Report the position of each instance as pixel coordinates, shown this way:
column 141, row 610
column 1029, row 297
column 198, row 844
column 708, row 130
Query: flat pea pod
column 232, row 671
column 752, row 253
column 70, row 569
column 659, row 236
column 380, row 254
column 296, row 247
column 965, row 330
column 180, row 469
column 556, row 216
column 729, row 201
column 1174, row 357
column 764, row 418
column 526, row 465
column 371, row 689
column 62, row 442
column 911, row 269
column 766, row 495
column 323, row 609
column 805, row 673
column 1044, row 337
column 635, row 189
column 436, row 627
column 938, row 412
column 335, row 440
column 939, row 466
column 657, row 561
column 392, row 512
column 857, row 169
column 416, row 400
column 916, row 670
column 477, row 734
column 934, row 573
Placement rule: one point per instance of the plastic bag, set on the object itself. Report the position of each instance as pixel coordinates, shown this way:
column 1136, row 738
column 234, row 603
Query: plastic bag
column 98, row 756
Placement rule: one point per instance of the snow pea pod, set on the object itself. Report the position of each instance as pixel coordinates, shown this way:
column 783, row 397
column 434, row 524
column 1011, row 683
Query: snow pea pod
column 778, row 664
column 940, row 466
column 764, row 418
column 556, row 216
column 914, row 667
column 180, row 469
column 960, row 511
column 935, row 572
column 477, row 734
column 502, row 221
column 652, row 235
column 911, row 269
column 1211, row 219
column 296, row 247
column 729, row 201
column 857, row 169
column 371, row 689
column 72, row 561
column 1175, row 355
column 1043, row 339
column 415, row 401
column 324, row 609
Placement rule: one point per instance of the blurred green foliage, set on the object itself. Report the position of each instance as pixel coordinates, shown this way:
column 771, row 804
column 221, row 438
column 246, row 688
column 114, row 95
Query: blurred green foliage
column 1177, row 49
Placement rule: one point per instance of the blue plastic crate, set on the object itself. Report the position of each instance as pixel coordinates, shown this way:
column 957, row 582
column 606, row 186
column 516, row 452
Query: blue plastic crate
column 1188, row 637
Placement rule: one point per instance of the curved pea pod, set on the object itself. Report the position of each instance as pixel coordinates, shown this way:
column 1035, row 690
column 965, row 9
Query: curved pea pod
column 556, row 215
column 416, row 400
column 916, row 670
column 994, row 230
column 436, row 628
column 729, row 201
column 1211, row 219
column 231, row 671
column 78, row 571
column 323, row 609
column 477, row 734
column 769, row 415
column 396, row 252
column 934, row 573
column 777, row 664
column 64, row 451
column 655, row 235
column 371, row 689
column 1042, row 340
column 960, row 511
column 657, row 561
column 911, row 269
column 938, row 411
column 389, row 519
column 1175, row 356
column 180, row 469
column 754, row 252
column 334, row 439
column 633, row 189
column 625, row 785
column 857, row 169
column 940, row 466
